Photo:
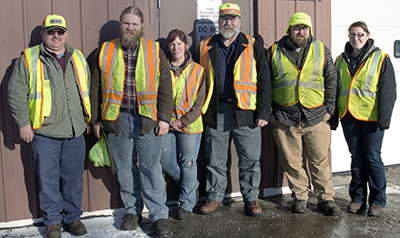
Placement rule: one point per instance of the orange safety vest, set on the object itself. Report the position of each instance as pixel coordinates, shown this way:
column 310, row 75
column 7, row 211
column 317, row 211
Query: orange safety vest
column 244, row 74
column 112, row 66
column 185, row 87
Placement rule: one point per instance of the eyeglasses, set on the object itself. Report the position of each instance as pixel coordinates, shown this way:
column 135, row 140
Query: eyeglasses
column 60, row 33
column 226, row 19
column 359, row 35
column 297, row 28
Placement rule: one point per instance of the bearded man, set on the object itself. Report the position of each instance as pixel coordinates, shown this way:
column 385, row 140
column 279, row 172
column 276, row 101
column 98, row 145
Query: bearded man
column 240, row 84
column 131, row 96
column 304, row 86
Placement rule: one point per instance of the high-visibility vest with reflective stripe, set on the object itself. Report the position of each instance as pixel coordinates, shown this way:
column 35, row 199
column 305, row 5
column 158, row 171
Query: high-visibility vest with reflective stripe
column 244, row 74
column 185, row 87
column 209, row 71
column 39, row 99
column 112, row 66
column 291, row 85
column 358, row 94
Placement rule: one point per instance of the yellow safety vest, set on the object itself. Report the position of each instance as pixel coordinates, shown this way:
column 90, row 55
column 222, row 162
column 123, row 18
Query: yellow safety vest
column 185, row 87
column 39, row 101
column 244, row 74
column 147, row 74
column 358, row 94
column 291, row 85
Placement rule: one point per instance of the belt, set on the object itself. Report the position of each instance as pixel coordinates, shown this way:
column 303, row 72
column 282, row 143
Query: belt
column 229, row 100
column 129, row 110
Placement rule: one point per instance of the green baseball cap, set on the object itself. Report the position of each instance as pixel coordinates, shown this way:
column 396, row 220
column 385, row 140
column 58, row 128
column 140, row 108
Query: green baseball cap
column 300, row 18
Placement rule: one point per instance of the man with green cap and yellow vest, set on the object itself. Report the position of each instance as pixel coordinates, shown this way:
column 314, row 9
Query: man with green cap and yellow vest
column 131, row 96
column 239, row 100
column 49, row 99
column 304, row 88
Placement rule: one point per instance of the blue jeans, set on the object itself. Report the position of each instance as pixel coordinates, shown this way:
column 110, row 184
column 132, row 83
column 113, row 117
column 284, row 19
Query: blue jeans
column 365, row 142
column 137, row 162
column 59, row 165
column 184, row 169
column 247, row 141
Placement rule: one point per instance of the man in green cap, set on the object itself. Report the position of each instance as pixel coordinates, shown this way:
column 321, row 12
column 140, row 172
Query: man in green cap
column 239, row 83
column 304, row 86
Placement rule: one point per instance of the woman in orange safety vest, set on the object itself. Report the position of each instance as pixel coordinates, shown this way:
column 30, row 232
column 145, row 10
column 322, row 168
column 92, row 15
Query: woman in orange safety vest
column 181, row 145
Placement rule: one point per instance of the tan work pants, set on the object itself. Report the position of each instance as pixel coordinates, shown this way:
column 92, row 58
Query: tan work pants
column 316, row 139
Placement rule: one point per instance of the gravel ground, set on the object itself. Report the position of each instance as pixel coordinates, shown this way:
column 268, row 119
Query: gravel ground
column 276, row 220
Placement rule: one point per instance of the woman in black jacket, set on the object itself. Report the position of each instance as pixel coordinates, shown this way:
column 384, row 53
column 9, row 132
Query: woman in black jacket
column 367, row 92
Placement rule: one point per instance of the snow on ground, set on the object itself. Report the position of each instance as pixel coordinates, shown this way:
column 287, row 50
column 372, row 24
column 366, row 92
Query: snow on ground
column 106, row 227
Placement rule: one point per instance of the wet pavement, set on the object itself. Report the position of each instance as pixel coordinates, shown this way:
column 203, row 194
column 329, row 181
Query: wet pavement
column 276, row 220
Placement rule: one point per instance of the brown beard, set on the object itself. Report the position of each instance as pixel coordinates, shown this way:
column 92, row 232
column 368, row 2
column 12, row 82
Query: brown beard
column 129, row 39
column 298, row 41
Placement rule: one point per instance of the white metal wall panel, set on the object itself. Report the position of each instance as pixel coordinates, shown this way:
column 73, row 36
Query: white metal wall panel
column 382, row 19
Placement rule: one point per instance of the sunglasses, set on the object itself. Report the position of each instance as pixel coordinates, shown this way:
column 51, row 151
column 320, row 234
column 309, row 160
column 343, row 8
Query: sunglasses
column 60, row 32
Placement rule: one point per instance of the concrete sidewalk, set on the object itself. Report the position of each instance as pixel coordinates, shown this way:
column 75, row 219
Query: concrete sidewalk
column 276, row 220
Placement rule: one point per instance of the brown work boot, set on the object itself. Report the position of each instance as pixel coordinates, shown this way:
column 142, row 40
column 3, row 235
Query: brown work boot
column 252, row 208
column 53, row 231
column 354, row 207
column 210, row 206
column 375, row 210
column 76, row 228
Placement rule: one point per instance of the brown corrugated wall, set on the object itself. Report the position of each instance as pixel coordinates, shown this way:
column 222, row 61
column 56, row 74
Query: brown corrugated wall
column 92, row 22
column 273, row 17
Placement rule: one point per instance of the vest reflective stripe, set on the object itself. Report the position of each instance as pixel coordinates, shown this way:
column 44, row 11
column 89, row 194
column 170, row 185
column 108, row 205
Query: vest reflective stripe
column 245, row 77
column 206, row 63
column 39, row 98
column 291, row 85
column 244, row 74
column 35, row 97
column 81, row 79
column 147, row 74
column 185, row 88
column 112, row 78
column 147, row 89
column 358, row 94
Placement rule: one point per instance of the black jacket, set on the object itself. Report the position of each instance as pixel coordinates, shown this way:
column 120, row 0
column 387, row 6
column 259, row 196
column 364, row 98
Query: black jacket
column 386, row 84
column 244, row 117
